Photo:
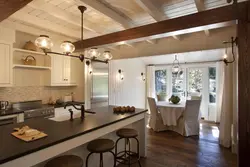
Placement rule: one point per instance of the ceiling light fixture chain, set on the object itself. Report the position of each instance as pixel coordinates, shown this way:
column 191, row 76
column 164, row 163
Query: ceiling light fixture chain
column 45, row 43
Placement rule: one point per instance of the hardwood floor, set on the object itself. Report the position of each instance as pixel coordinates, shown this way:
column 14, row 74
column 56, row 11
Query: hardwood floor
column 169, row 149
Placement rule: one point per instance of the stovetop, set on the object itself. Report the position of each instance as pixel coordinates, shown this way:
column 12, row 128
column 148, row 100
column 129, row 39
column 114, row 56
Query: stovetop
column 34, row 108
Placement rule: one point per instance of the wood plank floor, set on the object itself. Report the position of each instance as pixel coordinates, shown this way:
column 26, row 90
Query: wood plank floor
column 169, row 149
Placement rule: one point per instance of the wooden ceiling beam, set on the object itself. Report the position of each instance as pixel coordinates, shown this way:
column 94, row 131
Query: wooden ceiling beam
column 207, row 33
column 177, row 37
column 196, row 20
column 126, row 23
column 200, row 6
column 151, row 9
column 8, row 7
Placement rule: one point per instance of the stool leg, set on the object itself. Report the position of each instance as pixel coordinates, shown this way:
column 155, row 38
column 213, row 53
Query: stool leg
column 138, row 151
column 101, row 160
column 125, row 147
column 129, row 156
column 116, row 143
column 114, row 158
column 88, row 159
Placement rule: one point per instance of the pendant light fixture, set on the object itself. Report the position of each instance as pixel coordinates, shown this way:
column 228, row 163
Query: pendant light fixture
column 45, row 43
column 67, row 47
column 233, row 42
column 176, row 66
column 107, row 55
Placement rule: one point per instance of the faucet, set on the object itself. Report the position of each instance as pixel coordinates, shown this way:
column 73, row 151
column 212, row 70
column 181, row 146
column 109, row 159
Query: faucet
column 82, row 108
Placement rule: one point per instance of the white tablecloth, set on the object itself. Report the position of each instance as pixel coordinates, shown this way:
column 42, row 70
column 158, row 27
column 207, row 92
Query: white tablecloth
column 170, row 113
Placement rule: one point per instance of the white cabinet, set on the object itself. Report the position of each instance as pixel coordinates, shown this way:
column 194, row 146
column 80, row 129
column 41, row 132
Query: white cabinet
column 62, row 71
column 5, row 64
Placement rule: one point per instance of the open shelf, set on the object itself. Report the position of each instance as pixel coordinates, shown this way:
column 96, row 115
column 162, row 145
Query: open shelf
column 32, row 67
column 28, row 51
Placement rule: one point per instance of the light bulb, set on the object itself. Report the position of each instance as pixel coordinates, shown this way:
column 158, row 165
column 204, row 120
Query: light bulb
column 225, row 56
column 175, row 69
column 67, row 47
column 44, row 42
column 107, row 55
column 93, row 53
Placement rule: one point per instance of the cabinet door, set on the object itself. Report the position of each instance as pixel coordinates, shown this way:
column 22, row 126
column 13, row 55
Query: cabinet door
column 57, row 77
column 66, row 69
column 69, row 67
column 5, row 65
column 74, row 71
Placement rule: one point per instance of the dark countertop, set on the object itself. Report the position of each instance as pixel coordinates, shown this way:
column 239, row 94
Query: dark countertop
column 99, row 100
column 63, row 104
column 12, row 148
column 10, row 112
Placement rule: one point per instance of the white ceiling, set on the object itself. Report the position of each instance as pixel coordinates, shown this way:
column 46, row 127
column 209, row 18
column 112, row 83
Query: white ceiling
column 197, row 56
column 104, row 16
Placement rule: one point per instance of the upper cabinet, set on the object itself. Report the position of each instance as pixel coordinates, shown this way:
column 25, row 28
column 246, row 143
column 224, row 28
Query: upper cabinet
column 7, row 38
column 5, row 64
column 62, row 73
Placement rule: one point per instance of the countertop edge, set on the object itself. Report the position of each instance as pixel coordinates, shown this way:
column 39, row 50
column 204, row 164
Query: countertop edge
column 67, row 138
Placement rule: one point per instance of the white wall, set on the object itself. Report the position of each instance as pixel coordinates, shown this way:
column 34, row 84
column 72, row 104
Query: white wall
column 131, row 90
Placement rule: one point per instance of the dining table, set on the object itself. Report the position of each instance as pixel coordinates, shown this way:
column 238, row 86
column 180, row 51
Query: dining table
column 170, row 112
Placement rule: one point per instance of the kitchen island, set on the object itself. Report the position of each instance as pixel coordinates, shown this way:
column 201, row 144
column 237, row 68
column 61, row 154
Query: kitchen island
column 65, row 136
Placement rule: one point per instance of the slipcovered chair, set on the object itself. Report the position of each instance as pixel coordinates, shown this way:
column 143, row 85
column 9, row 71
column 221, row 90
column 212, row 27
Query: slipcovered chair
column 190, row 121
column 155, row 121
column 187, row 125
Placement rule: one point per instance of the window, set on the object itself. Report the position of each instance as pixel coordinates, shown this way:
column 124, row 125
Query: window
column 194, row 82
column 212, row 84
column 178, row 84
column 161, row 82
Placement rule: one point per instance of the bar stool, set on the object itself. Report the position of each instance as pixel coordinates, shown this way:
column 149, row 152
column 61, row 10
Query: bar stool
column 100, row 146
column 65, row 161
column 124, row 157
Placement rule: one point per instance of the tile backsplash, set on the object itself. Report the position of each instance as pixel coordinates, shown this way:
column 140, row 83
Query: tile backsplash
column 27, row 93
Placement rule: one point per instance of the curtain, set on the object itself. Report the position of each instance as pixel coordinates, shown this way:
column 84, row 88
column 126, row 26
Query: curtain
column 226, row 106
column 150, row 83
column 219, row 89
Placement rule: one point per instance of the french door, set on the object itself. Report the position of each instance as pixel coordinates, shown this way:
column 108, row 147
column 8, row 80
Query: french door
column 191, row 81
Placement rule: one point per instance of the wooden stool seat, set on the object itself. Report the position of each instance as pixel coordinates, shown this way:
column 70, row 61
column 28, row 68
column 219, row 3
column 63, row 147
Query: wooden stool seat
column 65, row 161
column 101, row 145
column 127, row 133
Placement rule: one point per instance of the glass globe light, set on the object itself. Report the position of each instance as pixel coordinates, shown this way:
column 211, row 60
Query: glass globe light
column 93, row 53
column 67, row 47
column 107, row 55
column 44, row 42
column 175, row 69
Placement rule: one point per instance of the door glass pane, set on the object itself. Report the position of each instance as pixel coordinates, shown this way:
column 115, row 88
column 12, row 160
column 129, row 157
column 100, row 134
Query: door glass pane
column 161, row 84
column 178, row 84
column 194, row 82
column 212, row 84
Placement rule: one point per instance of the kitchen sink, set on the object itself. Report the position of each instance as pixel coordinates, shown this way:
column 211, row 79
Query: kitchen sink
column 66, row 116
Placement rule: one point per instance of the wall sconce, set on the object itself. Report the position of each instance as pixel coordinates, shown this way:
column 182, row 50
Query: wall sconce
column 121, row 74
column 232, row 42
column 143, row 76
column 89, row 67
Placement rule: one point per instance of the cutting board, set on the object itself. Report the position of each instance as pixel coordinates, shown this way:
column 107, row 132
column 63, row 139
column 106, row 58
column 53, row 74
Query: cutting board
column 29, row 138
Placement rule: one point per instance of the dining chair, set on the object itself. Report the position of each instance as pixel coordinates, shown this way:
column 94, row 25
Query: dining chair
column 155, row 121
column 191, row 118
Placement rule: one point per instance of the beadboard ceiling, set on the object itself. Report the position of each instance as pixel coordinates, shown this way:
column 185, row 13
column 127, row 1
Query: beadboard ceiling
column 105, row 16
